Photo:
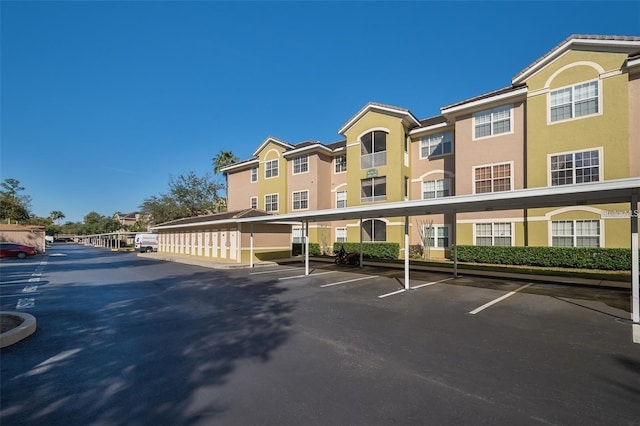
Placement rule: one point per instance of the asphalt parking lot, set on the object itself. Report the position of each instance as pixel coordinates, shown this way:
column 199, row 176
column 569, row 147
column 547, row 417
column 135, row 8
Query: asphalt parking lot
column 126, row 339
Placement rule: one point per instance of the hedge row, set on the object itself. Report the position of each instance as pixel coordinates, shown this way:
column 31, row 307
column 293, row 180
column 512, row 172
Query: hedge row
column 371, row 250
column 608, row 259
column 298, row 249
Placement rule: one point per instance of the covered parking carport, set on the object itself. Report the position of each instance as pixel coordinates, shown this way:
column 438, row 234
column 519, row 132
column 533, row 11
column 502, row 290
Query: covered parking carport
column 606, row 192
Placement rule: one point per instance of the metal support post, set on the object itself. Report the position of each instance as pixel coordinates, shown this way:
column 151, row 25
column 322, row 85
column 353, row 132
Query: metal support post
column 306, row 247
column 635, row 267
column 406, row 252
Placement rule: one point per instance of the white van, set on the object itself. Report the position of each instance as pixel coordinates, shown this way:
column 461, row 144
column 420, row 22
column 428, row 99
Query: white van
column 146, row 243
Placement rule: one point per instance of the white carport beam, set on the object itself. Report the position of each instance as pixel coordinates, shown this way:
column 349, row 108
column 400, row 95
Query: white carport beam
column 306, row 247
column 251, row 245
column 635, row 267
column 406, row 252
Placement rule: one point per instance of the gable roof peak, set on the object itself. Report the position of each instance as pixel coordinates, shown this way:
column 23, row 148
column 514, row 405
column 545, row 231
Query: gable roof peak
column 406, row 115
column 622, row 43
column 271, row 139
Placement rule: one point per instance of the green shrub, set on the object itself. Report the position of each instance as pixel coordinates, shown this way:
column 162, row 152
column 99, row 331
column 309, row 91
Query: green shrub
column 371, row 250
column 609, row 259
column 298, row 249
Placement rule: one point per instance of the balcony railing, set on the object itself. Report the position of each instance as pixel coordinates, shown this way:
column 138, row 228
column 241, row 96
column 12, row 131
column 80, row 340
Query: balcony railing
column 374, row 199
column 377, row 159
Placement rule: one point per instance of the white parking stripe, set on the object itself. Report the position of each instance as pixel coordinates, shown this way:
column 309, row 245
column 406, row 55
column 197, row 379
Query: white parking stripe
column 499, row 299
column 636, row 333
column 302, row 276
column 431, row 283
column 391, row 294
column 273, row 272
column 348, row 281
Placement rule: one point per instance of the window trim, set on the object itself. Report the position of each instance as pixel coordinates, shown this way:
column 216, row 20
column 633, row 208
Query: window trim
column 253, row 174
column 267, row 204
column 572, row 86
column 306, row 162
column 435, row 232
column 511, row 109
column 600, row 221
column 493, row 236
column 446, row 183
column 338, row 228
column 511, row 178
column 422, row 139
column 345, row 199
column 335, row 164
column 266, row 163
column 251, row 199
column 293, row 205
column 600, row 165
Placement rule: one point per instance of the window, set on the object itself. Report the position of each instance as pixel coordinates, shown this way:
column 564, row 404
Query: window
column 493, row 234
column 254, row 202
column 492, row 122
column 301, row 164
column 271, row 169
column 575, row 233
column 373, row 150
column 374, row 230
column 435, row 145
column 438, row 236
column 341, row 235
column 575, row 167
column 436, row 188
column 254, row 174
column 341, row 199
column 495, row 178
column 573, row 102
column 341, row 163
column 301, row 200
column 271, row 203
column 373, row 189
column 297, row 237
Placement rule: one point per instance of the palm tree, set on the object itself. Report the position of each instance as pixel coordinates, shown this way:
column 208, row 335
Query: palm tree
column 56, row 215
column 219, row 162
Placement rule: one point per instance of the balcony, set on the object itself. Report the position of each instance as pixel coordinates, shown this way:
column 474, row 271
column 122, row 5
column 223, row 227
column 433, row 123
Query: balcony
column 375, row 199
column 377, row 159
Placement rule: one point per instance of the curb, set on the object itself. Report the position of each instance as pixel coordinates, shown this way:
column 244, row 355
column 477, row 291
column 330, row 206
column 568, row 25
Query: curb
column 26, row 328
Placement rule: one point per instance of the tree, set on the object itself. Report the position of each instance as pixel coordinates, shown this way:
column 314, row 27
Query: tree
column 95, row 223
column 425, row 227
column 56, row 215
column 220, row 161
column 13, row 205
column 189, row 195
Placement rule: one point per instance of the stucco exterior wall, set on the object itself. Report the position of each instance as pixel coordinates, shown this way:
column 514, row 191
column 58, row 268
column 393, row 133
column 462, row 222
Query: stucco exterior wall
column 241, row 189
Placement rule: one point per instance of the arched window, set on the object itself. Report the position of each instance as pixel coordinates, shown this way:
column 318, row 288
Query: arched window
column 373, row 149
column 374, row 230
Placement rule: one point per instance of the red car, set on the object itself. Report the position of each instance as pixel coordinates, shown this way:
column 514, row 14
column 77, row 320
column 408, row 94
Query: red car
column 16, row 250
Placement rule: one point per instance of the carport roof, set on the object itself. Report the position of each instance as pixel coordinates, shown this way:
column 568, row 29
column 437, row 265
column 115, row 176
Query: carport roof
column 612, row 191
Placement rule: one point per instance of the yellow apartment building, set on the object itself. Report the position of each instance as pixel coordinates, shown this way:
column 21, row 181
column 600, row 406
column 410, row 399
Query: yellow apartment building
column 571, row 117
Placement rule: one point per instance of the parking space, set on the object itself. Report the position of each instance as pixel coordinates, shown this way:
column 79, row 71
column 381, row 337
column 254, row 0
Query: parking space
column 20, row 282
column 464, row 295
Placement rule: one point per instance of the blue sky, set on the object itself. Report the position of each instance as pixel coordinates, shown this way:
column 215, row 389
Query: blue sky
column 101, row 102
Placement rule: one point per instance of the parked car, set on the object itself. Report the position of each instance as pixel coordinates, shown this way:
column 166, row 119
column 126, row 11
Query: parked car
column 16, row 250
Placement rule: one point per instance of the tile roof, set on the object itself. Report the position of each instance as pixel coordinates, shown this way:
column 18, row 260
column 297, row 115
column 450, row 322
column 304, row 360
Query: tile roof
column 485, row 96
column 432, row 121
